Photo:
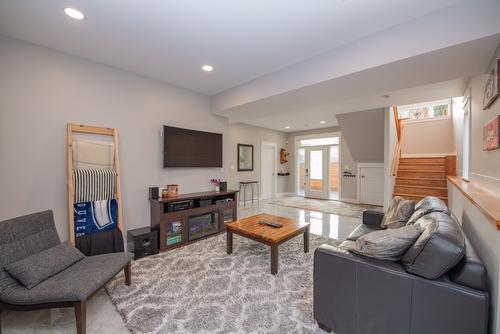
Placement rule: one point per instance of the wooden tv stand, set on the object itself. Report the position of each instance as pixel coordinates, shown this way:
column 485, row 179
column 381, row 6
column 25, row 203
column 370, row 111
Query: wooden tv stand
column 207, row 217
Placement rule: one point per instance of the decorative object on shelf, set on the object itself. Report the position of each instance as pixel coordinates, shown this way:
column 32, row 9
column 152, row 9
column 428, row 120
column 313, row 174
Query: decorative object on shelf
column 223, row 186
column 492, row 87
column 172, row 190
column 283, row 155
column 216, row 183
column 491, row 138
column 245, row 158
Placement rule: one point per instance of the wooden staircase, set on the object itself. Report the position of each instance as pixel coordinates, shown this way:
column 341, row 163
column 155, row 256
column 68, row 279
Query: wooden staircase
column 420, row 177
column 416, row 178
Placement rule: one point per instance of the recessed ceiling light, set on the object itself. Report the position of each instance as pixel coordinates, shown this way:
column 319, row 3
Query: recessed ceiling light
column 74, row 13
column 207, row 68
column 287, row 127
column 322, row 122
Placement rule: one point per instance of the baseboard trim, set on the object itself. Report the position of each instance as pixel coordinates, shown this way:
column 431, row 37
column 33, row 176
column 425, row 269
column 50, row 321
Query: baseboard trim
column 350, row 200
column 285, row 194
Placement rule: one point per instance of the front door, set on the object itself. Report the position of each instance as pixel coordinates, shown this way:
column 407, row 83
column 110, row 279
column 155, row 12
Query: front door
column 316, row 172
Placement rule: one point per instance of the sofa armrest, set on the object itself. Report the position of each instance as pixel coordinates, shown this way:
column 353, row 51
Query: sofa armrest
column 372, row 217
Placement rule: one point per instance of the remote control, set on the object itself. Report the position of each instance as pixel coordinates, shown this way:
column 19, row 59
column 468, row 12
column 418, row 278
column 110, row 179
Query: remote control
column 265, row 222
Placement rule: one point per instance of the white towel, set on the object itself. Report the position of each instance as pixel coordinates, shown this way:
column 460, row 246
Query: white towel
column 90, row 154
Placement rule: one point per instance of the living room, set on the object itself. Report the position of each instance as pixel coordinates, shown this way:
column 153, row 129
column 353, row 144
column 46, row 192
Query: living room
column 311, row 117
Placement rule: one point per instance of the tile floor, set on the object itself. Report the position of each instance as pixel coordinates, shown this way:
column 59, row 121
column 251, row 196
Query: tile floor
column 102, row 317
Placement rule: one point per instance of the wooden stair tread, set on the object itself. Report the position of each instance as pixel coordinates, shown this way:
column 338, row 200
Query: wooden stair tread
column 422, row 187
column 420, row 178
column 418, row 196
column 421, row 171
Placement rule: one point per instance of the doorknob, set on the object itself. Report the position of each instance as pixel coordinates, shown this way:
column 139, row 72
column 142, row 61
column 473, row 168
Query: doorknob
column 362, row 176
column 307, row 172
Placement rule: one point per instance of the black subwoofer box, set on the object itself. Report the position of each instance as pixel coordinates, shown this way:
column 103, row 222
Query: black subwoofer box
column 145, row 241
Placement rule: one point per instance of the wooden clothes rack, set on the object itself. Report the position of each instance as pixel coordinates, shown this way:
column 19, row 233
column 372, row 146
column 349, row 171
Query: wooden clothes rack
column 95, row 130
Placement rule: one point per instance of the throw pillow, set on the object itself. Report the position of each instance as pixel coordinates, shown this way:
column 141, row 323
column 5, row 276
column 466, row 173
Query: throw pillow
column 36, row 268
column 427, row 205
column 390, row 244
column 398, row 214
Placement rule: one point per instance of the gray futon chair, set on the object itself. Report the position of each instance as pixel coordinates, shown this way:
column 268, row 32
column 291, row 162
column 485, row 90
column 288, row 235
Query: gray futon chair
column 26, row 237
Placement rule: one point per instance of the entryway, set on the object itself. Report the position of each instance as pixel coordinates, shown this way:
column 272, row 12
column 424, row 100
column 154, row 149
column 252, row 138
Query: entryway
column 318, row 161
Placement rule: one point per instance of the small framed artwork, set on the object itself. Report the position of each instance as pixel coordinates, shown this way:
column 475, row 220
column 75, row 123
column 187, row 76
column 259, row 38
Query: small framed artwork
column 491, row 139
column 245, row 158
column 492, row 87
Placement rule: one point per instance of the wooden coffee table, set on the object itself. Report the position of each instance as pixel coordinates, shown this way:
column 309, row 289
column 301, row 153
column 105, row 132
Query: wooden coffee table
column 250, row 228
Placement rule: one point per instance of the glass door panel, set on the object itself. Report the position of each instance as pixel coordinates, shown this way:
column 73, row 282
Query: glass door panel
column 316, row 172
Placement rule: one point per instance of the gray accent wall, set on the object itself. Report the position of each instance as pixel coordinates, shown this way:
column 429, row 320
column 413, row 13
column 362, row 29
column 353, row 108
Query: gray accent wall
column 42, row 90
column 364, row 134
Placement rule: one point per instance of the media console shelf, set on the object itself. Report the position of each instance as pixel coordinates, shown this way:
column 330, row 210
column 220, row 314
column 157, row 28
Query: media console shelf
column 191, row 217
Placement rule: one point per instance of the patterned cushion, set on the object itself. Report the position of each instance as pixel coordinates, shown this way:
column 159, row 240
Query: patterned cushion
column 390, row 244
column 427, row 205
column 38, row 267
column 398, row 214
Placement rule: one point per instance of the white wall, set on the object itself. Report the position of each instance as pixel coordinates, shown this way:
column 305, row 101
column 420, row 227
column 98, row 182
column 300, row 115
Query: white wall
column 431, row 137
column 42, row 90
column 485, row 172
column 253, row 135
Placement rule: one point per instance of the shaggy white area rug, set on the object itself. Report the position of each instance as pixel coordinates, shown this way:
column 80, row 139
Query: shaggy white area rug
column 200, row 289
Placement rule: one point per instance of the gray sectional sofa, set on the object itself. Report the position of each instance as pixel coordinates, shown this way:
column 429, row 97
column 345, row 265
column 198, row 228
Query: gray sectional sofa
column 439, row 286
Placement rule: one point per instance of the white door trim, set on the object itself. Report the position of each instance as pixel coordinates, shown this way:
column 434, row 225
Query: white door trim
column 296, row 147
column 275, row 172
column 361, row 165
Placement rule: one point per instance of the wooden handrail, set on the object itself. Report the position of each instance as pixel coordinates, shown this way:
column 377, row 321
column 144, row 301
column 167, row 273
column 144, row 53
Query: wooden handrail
column 399, row 132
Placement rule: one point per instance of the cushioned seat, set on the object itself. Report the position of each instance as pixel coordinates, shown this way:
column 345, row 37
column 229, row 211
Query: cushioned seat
column 76, row 283
column 30, row 240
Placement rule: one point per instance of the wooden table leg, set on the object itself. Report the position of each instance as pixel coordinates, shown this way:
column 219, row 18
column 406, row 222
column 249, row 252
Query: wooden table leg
column 128, row 273
column 306, row 241
column 229, row 236
column 274, row 259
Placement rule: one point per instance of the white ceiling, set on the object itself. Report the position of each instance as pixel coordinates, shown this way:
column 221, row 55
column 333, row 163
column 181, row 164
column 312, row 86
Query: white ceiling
column 431, row 76
column 170, row 40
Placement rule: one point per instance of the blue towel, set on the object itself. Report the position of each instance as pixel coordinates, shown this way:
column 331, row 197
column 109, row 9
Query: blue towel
column 95, row 216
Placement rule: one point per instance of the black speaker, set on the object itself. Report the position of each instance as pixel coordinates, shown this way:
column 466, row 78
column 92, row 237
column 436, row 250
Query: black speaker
column 154, row 192
column 145, row 241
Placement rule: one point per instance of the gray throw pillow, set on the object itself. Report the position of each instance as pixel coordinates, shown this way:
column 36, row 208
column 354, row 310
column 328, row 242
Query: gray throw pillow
column 36, row 268
column 390, row 244
column 427, row 205
column 398, row 214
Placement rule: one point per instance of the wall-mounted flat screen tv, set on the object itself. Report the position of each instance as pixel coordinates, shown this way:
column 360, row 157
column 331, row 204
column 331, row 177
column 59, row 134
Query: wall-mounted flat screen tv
column 191, row 148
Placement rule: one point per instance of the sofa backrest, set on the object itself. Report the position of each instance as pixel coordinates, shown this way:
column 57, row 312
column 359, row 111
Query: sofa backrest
column 438, row 249
column 23, row 236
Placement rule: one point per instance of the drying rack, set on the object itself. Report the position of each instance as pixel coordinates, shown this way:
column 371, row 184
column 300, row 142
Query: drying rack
column 93, row 130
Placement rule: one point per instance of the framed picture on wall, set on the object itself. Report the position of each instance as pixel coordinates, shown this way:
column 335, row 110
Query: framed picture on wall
column 491, row 139
column 245, row 158
column 492, row 87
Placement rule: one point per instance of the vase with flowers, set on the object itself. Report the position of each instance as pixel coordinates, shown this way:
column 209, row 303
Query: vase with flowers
column 216, row 183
